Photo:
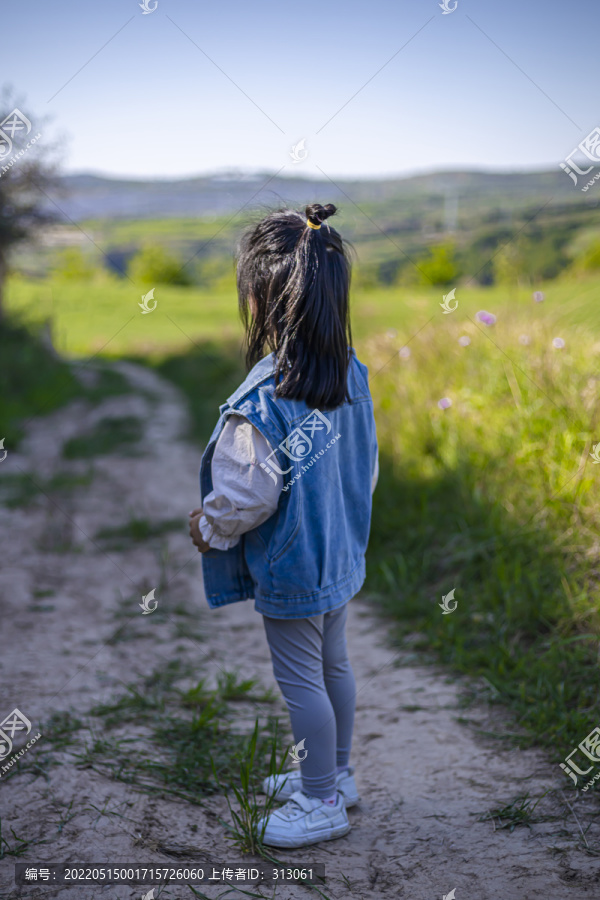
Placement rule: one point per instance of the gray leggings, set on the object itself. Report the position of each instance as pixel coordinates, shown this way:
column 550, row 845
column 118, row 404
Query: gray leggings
column 311, row 666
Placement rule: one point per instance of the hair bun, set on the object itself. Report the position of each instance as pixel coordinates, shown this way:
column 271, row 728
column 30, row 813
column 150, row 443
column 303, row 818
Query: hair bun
column 316, row 213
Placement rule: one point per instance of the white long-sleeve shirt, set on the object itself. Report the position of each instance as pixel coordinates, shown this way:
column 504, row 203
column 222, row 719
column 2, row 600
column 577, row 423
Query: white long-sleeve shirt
column 244, row 495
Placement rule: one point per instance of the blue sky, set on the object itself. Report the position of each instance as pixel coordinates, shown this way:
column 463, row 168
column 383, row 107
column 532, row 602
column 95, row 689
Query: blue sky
column 375, row 89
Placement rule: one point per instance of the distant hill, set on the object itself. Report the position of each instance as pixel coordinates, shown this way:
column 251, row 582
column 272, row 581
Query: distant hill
column 88, row 196
column 482, row 225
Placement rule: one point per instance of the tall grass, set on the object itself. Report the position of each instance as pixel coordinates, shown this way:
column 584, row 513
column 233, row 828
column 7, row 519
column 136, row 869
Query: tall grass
column 497, row 497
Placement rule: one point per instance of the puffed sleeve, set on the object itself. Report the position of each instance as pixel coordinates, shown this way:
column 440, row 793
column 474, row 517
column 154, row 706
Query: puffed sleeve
column 244, row 495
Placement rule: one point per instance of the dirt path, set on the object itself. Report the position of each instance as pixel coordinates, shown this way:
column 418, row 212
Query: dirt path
column 425, row 778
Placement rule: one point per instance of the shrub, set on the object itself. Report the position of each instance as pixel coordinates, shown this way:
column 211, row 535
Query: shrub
column 154, row 265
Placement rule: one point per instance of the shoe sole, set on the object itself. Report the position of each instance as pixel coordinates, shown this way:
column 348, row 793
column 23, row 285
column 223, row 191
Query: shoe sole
column 330, row 835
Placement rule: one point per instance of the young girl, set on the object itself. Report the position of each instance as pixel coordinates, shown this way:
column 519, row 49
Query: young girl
column 286, row 483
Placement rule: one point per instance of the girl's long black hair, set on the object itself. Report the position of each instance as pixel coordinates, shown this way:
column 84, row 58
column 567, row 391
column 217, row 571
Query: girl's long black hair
column 293, row 286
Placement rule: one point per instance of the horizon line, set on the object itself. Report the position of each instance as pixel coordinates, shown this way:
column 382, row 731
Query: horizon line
column 250, row 174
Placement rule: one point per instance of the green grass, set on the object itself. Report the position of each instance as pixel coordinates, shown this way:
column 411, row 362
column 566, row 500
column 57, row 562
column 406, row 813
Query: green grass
column 90, row 319
column 496, row 497
column 246, row 832
column 110, row 435
column 519, row 812
column 207, row 374
column 190, row 750
column 136, row 531
column 189, row 747
column 132, row 233
column 21, row 489
column 34, row 382
column 95, row 318
column 20, row 845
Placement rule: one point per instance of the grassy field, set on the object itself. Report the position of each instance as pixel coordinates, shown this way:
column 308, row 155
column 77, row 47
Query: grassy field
column 105, row 318
column 496, row 496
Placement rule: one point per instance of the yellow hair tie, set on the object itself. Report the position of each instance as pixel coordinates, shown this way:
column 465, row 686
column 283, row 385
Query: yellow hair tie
column 310, row 225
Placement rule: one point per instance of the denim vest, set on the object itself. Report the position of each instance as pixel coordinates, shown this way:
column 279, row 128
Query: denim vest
column 309, row 556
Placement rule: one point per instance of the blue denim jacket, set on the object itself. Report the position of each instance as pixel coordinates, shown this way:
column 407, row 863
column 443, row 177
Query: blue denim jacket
column 309, row 556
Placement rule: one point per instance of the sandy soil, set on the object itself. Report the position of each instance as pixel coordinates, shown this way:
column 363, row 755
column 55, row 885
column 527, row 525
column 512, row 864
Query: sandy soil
column 424, row 777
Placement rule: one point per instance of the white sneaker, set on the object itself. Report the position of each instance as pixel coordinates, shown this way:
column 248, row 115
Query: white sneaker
column 284, row 785
column 305, row 820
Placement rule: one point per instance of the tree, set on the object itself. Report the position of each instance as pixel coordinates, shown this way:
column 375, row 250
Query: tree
column 508, row 264
column 28, row 170
column 71, row 264
column 439, row 267
column 154, row 265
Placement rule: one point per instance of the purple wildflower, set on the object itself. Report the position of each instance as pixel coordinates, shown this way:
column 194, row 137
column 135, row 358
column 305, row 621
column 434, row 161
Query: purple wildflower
column 486, row 317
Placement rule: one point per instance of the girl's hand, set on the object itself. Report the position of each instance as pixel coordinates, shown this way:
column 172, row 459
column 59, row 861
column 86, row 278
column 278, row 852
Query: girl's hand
column 195, row 534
